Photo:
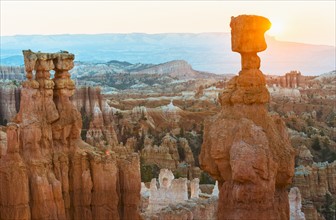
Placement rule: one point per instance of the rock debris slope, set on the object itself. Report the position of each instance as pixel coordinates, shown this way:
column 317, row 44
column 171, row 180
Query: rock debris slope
column 246, row 149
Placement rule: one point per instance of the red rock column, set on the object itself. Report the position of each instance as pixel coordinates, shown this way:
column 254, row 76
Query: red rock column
column 129, row 178
column 37, row 112
column 48, row 171
column 244, row 148
column 14, row 187
column 68, row 127
column 76, row 188
column 48, row 113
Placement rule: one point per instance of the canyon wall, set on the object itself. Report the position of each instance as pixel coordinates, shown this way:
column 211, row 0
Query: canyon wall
column 316, row 182
column 244, row 148
column 48, row 172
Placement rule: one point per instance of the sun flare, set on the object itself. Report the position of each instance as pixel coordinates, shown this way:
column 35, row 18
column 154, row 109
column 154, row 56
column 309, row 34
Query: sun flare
column 276, row 28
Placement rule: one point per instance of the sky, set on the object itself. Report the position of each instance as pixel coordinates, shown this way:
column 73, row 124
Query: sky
column 297, row 21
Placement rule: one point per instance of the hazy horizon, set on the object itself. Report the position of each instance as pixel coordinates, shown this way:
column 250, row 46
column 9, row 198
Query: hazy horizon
column 163, row 33
column 311, row 22
column 210, row 52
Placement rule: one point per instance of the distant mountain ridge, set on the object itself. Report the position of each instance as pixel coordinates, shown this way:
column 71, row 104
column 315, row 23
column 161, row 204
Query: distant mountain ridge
column 208, row 52
column 178, row 69
column 172, row 76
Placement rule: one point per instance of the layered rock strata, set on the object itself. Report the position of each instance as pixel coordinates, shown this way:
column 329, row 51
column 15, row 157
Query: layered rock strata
column 315, row 182
column 244, row 148
column 48, row 172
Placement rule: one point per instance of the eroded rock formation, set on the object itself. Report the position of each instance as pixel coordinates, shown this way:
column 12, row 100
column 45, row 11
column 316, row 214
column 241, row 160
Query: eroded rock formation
column 215, row 191
column 195, row 209
column 293, row 79
column 315, row 182
column 295, row 204
column 170, row 199
column 169, row 155
column 9, row 102
column 194, row 188
column 170, row 191
column 97, row 118
column 48, row 172
column 303, row 156
column 3, row 143
column 246, row 149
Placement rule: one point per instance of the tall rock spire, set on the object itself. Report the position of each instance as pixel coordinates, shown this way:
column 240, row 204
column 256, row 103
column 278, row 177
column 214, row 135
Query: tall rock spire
column 244, row 148
column 48, row 172
column 247, row 38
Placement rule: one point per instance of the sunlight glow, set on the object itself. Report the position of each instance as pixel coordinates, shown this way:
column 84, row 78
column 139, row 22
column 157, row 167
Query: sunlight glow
column 276, row 29
column 292, row 20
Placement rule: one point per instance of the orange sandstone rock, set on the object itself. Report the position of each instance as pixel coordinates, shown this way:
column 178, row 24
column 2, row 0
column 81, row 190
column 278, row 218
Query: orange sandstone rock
column 247, row 38
column 244, row 148
column 48, row 172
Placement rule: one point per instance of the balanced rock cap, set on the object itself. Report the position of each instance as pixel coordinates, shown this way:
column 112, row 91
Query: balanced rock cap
column 247, row 33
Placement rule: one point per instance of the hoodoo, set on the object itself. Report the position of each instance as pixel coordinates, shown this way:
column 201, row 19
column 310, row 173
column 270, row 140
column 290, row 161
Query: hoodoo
column 48, row 172
column 246, row 149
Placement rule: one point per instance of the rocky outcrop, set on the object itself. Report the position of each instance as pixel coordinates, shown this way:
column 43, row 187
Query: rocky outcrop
column 11, row 73
column 171, row 191
column 170, row 200
column 194, row 188
column 48, row 172
column 310, row 212
column 303, row 156
column 215, row 191
column 9, row 103
column 129, row 186
column 251, row 187
column 173, row 153
column 165, row 155
column 3, row 143
column 97, row 118
column 315, row 182
column 193, row 209
column 293, row 80
column 278, row 93
column 295, row 204
column 175, row 68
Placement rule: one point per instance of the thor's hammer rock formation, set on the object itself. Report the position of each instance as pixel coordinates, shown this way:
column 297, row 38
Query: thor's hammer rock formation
column 246, row 149
column 48, row 172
